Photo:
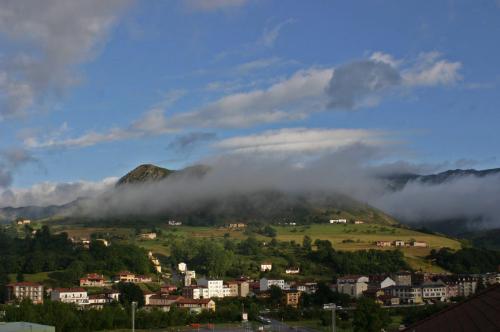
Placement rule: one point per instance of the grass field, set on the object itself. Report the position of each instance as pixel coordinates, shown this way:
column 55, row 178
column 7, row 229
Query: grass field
column 36, row 277
column 347, row 237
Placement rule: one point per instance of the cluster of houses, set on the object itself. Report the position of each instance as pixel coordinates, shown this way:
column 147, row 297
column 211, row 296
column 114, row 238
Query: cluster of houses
column 405, row 288
column 402, row 243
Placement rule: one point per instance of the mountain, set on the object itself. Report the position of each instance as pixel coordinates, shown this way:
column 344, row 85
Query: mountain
column 144, row 173
column 152, row 173
column 398, row 181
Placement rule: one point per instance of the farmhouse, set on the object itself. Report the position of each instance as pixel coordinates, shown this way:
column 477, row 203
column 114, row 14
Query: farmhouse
column 23, row 222
column 399, row 243
column 25, row 290
column 174, row 223
column 419, row 244
column 338, row 221
column 92, row 280
column 236, row 225
column 384, row 243
column 359, row 222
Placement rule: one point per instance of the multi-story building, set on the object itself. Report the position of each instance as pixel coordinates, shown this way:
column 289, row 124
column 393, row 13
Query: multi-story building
column 434, row 291
column 189, row 275
column 406, row 294
column 195, row 292
column 353, row 285
column 239, row 288
column 25, row 290
column 70, row 295
column 265, row 284
column 291, row 298
column 215, row 287
column 402, row 278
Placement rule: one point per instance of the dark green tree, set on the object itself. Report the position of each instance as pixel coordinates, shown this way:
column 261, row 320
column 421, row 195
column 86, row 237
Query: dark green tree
column 369, row 316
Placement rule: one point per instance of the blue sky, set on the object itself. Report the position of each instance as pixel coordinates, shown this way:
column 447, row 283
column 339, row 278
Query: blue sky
column 89, row 91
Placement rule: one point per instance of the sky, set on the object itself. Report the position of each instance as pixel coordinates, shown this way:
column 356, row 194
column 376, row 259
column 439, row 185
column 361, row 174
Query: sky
column 91, row 89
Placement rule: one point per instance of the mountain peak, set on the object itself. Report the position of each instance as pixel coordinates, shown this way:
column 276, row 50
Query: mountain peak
column 145, row 173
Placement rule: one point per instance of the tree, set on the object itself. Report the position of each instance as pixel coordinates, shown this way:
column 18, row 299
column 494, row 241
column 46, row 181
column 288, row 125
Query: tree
column 131, row 293
column 276, row 295
column 369, row 316
column 307, row 244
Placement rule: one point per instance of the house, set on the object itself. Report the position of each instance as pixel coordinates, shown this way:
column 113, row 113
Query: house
column 25, row 290
column 399, row 243
column 174, row 223
column 266, row 266
column 76, row 295
column 92, row 280
column 167, row 289
column 215, row 287
column 419, row 244
column 291, row 298
column 308, row 287
column 155, row 261
column 358, row 222
column 189, row 275
column 292, row 270
column 182, row 267
column 265, row 284
column 406, row 294
column 338, row 221
column 23, row 222
column 435, row 291
column 464, row 285
column 196, row 305
column 353, row 285
column 384, row 243
column 402, row 278
column 126, row 276
column 97, row 301
column 491, row 278
column 148, row 236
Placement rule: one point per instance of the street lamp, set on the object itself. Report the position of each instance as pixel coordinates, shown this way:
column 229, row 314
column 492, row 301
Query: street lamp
column 134, row 305
column 332, row 307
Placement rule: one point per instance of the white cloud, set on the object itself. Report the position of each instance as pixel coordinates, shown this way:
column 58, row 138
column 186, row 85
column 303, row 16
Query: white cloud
column 53, row 193
column 212, row 5
column 270, row 35
column 43, row 41
column 430, row 70
column 302, row 140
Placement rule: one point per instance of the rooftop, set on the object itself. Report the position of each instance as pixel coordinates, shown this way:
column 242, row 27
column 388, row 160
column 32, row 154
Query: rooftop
column 478, row 313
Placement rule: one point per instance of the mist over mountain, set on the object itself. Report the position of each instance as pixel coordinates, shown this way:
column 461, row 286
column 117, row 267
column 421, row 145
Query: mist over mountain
column 229, row 188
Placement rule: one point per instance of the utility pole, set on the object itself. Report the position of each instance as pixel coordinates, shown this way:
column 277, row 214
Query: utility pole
column 134, row 305
column 331, row 306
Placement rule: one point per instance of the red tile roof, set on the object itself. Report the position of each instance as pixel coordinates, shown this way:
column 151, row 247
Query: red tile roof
column 70, row 290
column 478, row 313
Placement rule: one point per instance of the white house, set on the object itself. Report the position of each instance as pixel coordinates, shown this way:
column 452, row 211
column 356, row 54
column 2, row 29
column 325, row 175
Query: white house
column 148, row 236
column 70, row 295
column 182, row 267
column 265, row 284
column 292, row 270
column 338, row 221
column 215, row 287
column 399, row 243
column 434, row 291
column 266, row 266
